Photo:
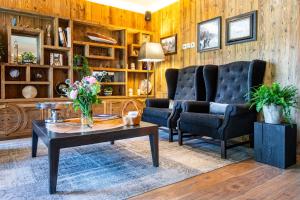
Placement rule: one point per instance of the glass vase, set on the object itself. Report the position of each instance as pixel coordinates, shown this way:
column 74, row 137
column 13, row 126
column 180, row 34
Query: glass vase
column 87, row 118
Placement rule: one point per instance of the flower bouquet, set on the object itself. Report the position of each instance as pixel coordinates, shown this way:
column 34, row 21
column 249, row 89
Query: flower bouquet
column 84, row 94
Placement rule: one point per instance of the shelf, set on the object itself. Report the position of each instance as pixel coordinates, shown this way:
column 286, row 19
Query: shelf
column 141, row 96
column 107, row 69
column 56, row 48
column 100, row 57
column 26, row 83
column 112, row 83
column 140, row 71
column 26, row 65
column 94, row 44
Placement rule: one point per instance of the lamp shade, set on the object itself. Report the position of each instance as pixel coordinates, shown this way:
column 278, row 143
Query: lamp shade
column 151, row 52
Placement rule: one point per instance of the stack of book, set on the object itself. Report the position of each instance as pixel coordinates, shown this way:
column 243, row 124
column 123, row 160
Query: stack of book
column 64, row 37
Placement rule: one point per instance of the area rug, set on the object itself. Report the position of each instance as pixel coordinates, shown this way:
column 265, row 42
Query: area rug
column 105, row 171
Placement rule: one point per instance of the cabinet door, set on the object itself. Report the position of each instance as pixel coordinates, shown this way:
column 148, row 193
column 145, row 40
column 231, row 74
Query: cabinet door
column 10, row 120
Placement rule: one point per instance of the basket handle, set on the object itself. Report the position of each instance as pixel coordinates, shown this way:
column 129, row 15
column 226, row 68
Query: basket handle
column 134, row 104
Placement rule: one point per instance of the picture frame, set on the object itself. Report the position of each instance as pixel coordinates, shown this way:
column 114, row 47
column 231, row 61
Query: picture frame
column 169, row 44
column 241, row 28
column 209, row 34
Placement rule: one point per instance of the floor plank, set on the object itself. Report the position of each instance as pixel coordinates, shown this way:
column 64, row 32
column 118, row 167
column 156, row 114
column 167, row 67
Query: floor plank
column 245, row 180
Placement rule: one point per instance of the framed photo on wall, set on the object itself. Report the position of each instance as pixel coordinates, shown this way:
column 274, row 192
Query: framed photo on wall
column 169, row 44
column 209, row 35
column 241, row 28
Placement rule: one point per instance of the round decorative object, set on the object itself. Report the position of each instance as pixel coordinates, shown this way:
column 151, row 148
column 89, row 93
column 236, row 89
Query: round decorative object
column 143, row 87
column 14, row 73
column 29, row 92
column 61, row 88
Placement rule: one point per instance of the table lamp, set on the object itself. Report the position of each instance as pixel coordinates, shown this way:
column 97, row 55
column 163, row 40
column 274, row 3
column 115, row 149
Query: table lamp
column 150, row 52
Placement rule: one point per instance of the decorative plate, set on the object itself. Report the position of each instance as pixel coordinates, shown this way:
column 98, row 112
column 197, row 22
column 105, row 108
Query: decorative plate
column 60, row 89
column 143, row 87
column 29, row 92
column 14, row 73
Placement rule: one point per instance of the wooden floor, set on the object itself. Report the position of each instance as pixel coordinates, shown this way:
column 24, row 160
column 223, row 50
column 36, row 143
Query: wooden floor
column 247, row 180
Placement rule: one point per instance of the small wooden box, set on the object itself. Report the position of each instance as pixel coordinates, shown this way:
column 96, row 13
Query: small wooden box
column 275, row 144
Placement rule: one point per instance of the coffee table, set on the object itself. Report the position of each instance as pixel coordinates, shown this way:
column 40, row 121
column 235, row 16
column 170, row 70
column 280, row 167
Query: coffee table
column 56, row 141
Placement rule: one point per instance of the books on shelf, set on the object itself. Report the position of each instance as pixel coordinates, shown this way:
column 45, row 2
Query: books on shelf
column 56, row 59
column 64, row 36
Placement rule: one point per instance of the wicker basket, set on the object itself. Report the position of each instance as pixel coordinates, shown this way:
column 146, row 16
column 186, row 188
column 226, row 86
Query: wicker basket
column 131, row 121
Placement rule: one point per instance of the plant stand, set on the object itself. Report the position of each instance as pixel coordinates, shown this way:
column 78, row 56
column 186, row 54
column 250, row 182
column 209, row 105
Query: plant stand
column 275, row 144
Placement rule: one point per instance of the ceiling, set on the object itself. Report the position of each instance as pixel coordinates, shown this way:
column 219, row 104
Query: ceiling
column 140, row 6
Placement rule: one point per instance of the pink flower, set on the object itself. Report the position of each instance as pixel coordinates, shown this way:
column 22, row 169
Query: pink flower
column 73, row 94
column 91, row 80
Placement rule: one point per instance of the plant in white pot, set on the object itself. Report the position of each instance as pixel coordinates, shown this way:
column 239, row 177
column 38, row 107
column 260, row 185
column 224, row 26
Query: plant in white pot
column 275, row 101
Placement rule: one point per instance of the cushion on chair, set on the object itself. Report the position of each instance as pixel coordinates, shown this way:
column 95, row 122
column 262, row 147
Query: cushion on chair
column 202, row 119
column 217, row 108
column 157, row 116
column 157, row 112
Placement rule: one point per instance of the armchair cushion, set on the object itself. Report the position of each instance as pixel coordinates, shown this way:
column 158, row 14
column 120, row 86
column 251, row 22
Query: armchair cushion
column 195, row 106
column 157, row 103
column 202, row 119
column 157, row 112
column 217, row 108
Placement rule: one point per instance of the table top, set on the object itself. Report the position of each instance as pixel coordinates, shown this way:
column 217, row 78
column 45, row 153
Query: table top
column 41, row 127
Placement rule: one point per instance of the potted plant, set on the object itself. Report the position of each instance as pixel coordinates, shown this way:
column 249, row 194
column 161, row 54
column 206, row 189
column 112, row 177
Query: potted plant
column 108, row 90
column 81, row 65
column 84, row 94
column 28, row 57
column 275, row 101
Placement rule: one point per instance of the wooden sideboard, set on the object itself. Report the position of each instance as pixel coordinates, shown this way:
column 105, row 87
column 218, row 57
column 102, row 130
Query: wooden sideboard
column 16, row 117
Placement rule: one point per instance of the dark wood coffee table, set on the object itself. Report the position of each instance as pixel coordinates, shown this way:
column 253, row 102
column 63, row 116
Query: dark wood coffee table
column 56, row 141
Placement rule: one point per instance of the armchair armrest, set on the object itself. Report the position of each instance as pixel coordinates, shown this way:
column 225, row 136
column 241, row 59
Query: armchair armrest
column 196, row 106
column 237, row 109
column 157, row 103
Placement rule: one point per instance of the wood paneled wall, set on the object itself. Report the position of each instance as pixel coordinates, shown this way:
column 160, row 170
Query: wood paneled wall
column 82, row 10
column 278, row 36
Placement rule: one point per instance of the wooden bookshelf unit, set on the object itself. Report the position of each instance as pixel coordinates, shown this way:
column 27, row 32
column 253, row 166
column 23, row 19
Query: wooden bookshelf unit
column 54, row 64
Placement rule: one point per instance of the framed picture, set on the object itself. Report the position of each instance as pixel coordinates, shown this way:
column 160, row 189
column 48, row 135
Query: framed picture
column 169, row 44
column 209, row 35
column 241, row 28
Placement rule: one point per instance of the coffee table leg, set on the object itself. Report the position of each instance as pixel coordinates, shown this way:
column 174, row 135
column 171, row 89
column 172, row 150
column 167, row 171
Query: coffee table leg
column 154, row 148
column 34, row 144
column 53, row 154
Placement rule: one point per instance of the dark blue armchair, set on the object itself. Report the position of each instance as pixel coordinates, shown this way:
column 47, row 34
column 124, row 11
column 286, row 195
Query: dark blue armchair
column 227, row 114
column 183, row 84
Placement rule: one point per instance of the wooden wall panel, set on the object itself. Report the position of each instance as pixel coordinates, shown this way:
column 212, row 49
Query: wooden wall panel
column 278, row 36
column 82, row 10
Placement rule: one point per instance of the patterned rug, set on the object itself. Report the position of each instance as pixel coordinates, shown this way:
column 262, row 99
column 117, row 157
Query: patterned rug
column 104, row 171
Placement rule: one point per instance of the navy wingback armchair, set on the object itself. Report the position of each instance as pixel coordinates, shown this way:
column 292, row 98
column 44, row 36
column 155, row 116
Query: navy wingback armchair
column 183, row 84
column 228, row 114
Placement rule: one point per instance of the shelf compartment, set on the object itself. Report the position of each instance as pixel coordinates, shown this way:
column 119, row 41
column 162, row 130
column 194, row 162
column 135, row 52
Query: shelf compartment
column 59, row 76
column 21, row 70
column 94, row 57
column 118, row 90
column 13, row 91
column 59, row 58
column 39, row 74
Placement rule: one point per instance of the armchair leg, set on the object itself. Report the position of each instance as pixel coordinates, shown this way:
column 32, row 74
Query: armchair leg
column 251, row 140
column 171, row 134
column 223, row 149
column 179, row 137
